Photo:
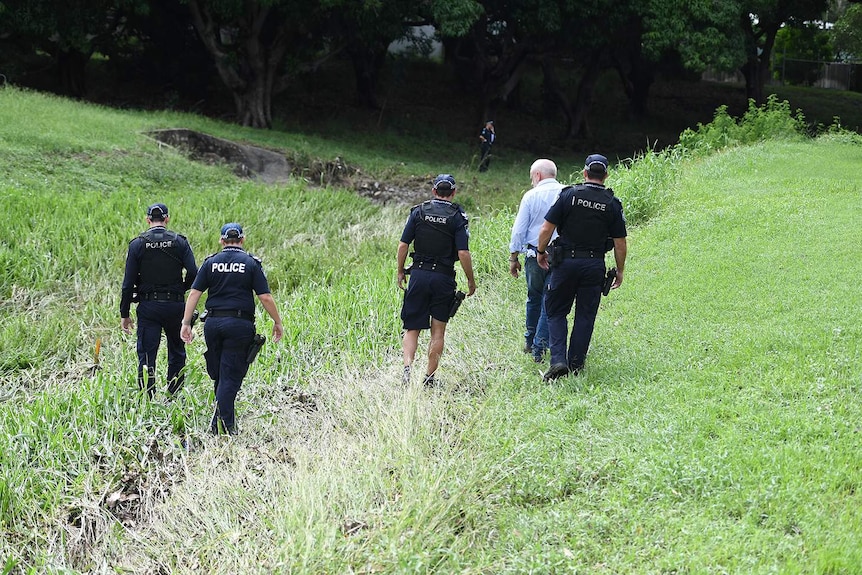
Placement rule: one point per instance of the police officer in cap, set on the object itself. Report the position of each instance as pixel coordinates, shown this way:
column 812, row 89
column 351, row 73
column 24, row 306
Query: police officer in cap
column 154, row 271
column 438, row 230
column 232, row 277
column 585, row 216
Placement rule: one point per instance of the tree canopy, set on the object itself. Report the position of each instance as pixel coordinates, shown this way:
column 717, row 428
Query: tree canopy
column 258, row 47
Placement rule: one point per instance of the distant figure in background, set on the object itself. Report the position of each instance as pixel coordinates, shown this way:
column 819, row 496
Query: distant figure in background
column 486, row 137
column 232, row 277
column 525, row 237
column 154, row 271
column 438, row 230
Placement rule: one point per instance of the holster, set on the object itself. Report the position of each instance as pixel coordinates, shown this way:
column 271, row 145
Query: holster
column 254, row 347
column 457, row 298
column 609, row 281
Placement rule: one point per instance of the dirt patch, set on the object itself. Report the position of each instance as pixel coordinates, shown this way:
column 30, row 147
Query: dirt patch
column 276, row 167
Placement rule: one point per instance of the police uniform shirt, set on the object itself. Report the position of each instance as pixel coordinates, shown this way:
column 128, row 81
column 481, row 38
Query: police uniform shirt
column 438, row 228
column 586, row 215
column 155, row 262
column 488, row 135
column 231, row 276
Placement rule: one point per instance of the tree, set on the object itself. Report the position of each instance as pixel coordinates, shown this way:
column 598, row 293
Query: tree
column 367, row 29
column 847, row 34
column 70, row 30
column 257, row 46
column 760, row 21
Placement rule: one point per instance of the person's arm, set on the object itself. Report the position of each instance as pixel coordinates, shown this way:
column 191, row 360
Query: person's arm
column 620, row 253
column 403, row 248
column 519, row 233
column 467, row 265
column 190, row 265
column 130, row 279
column 545, row 234
column 186, row 333
column 269, row 305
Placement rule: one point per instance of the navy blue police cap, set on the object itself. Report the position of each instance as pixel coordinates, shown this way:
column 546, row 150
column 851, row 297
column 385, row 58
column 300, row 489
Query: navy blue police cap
column 157, row 212
column 232, row 231
column 444, row 182
column 596, row 163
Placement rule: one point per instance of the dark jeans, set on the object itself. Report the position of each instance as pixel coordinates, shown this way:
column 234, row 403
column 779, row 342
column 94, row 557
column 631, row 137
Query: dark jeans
column 154, row 318
column 227, row 339
column 575, row 281
column 537, row 320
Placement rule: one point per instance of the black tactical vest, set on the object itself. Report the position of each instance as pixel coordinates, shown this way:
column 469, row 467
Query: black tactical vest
column 435, row 232
column 161, row 263
column 589, row 218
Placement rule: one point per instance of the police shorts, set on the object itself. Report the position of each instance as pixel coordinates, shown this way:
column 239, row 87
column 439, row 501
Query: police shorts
column 429, row 294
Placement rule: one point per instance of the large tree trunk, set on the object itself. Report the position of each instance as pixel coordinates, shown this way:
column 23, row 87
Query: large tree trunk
column 254, row 106
column 367, row 62
column 246, row 63
column 636, row 72
column 584, row 99
column 637, row 76
column 553, row 93
column 756, row 69
column 71, row 68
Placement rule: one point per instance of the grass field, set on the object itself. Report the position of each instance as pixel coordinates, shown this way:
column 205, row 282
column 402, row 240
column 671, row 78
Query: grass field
column 715, row 429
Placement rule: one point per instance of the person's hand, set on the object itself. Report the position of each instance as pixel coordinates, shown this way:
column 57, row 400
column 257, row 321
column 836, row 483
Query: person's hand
column 127, row 324
column 542, row 260
column 401, row 278
column 186, row 333
column 514, row 267
column 277, row 332
column 617, row 280
column 471, row 288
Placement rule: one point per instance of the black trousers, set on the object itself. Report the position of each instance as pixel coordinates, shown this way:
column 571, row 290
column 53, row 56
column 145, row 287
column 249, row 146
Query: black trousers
column 155, row 317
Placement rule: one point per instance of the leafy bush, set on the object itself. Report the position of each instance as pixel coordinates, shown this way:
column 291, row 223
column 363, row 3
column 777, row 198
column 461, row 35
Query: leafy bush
column 772, row 120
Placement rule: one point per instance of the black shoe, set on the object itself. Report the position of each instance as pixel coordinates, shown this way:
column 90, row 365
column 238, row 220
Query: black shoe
column 528, row 347
column 556, row 371
column 405, row 377
column 429, row 381
column 576, row 369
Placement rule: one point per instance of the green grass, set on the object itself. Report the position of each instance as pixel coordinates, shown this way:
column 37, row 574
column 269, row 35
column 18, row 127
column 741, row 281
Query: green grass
column 715, row 429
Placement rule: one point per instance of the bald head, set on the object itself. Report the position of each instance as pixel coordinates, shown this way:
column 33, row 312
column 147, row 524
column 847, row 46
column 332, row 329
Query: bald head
column 542, row 169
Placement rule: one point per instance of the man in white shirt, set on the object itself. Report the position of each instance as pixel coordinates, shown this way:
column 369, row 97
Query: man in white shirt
column 525, row 237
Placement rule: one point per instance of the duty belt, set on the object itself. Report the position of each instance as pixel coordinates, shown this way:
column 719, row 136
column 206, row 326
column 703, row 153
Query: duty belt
column 433, row 266
column 237, row 313
column 161, row 296
column 582, row 253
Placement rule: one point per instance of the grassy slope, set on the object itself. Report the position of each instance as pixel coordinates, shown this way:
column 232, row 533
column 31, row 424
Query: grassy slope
column 713, row 431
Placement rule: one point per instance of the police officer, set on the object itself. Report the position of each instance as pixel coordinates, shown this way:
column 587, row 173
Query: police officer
column 486, row 140
column 154, row 271
column 438, row 230
column 585, row 216
column 232, row 276
column 525, row 237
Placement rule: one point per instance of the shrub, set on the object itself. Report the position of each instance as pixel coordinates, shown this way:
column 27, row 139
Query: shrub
column 772, row 120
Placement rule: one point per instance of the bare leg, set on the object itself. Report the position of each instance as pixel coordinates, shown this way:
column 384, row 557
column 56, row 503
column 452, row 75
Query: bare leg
column 435, row 348
column 409, row 344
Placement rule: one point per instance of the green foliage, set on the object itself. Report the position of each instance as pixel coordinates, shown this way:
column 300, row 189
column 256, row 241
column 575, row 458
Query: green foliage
column 714, row 429
column 703, row 33
column 647, row 182
column 772, row 120
column 847, row 33
column 455, row 17
column 808, row 41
